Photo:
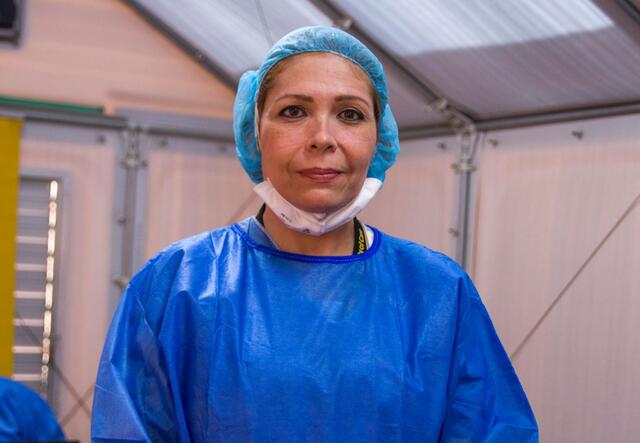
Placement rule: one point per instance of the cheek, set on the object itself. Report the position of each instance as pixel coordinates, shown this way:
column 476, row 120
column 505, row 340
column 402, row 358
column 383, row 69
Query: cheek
column 363, row 145
column 277, row 147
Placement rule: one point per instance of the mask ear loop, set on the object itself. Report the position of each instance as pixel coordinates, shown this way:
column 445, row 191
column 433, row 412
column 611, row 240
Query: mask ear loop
column 256, row 128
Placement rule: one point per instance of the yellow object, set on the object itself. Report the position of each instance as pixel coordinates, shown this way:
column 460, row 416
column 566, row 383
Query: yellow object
column 9, row 181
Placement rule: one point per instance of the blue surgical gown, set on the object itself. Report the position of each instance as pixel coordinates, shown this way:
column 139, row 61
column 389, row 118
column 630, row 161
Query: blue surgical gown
column 24, row 415
column 223, row 338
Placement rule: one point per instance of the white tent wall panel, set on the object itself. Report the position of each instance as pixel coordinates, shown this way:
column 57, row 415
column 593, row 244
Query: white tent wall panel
column 581, row 368
column 84, row 298
column 101, row 53
column 196, row 186
column 193, row 186
column 418, row 200
column 546, row 199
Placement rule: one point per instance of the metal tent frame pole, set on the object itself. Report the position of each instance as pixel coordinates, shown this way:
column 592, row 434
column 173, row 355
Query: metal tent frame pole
column 111, row 122
column 520, row 121
column 631, row 9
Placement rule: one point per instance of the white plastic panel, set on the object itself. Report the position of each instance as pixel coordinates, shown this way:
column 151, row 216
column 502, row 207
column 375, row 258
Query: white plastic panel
column 418, row 200
column 448, row 25
column 84, row 296
column 546, row 199
column 194, row 186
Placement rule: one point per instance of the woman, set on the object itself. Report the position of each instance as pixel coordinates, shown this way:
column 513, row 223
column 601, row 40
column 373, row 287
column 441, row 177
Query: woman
column 301, row 324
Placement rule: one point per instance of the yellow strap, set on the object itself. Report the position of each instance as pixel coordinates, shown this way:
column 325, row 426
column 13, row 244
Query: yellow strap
column 9, row 181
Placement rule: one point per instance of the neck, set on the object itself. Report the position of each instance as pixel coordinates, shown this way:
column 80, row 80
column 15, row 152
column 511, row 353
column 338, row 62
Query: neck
column 336, row 242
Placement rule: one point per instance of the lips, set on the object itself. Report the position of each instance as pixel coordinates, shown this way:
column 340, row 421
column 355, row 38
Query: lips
column 320, row 175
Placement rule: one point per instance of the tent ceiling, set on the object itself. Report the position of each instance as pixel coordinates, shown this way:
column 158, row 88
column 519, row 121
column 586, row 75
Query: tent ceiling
column 236, row 34
column 490, row 60
column 509, row 57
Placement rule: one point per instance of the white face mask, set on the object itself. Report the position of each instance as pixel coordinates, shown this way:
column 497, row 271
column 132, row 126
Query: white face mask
column 314, row 223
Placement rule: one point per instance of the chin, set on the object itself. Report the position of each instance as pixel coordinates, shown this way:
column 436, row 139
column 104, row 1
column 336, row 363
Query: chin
column 319, row 204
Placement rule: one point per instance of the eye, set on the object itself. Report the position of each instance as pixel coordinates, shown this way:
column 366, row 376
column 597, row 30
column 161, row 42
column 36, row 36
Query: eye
column 351, row 115
column 292, row 112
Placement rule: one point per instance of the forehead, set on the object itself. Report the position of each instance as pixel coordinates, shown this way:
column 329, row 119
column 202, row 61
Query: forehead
column 321, row 70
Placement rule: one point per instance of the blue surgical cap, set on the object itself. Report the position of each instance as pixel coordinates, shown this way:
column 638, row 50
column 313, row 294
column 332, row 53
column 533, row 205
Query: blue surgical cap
column 313, row 39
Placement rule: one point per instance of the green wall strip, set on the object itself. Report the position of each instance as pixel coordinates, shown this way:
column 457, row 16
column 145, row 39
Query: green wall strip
column 9, row 182
column 17, row 102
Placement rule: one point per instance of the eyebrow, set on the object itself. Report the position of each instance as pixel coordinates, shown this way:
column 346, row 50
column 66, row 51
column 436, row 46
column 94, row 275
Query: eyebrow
column 308, row 98
column 352, row 97
column 305, row 98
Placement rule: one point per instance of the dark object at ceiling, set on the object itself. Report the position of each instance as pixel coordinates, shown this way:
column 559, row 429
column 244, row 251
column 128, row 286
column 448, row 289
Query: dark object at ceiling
column 8, row 13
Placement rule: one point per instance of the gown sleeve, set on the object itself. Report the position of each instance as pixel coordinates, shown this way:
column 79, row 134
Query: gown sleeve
column 133, row 401
column 486, row 401
column 25, row 416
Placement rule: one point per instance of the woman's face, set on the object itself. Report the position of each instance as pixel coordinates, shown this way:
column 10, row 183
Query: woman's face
column 318, row 131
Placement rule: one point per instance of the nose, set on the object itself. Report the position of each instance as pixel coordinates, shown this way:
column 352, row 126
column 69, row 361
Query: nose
column 321, row 136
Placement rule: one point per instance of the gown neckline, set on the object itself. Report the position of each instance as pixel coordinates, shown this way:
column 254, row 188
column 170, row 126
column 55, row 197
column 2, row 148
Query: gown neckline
column 253, row 234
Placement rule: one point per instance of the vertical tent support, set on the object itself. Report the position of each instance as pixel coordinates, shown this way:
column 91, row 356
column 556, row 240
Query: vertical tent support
column 465, row 168
column 132, row 161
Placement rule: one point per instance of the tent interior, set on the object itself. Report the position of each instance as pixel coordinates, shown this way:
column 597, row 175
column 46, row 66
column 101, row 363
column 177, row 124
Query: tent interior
column 520, row 158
